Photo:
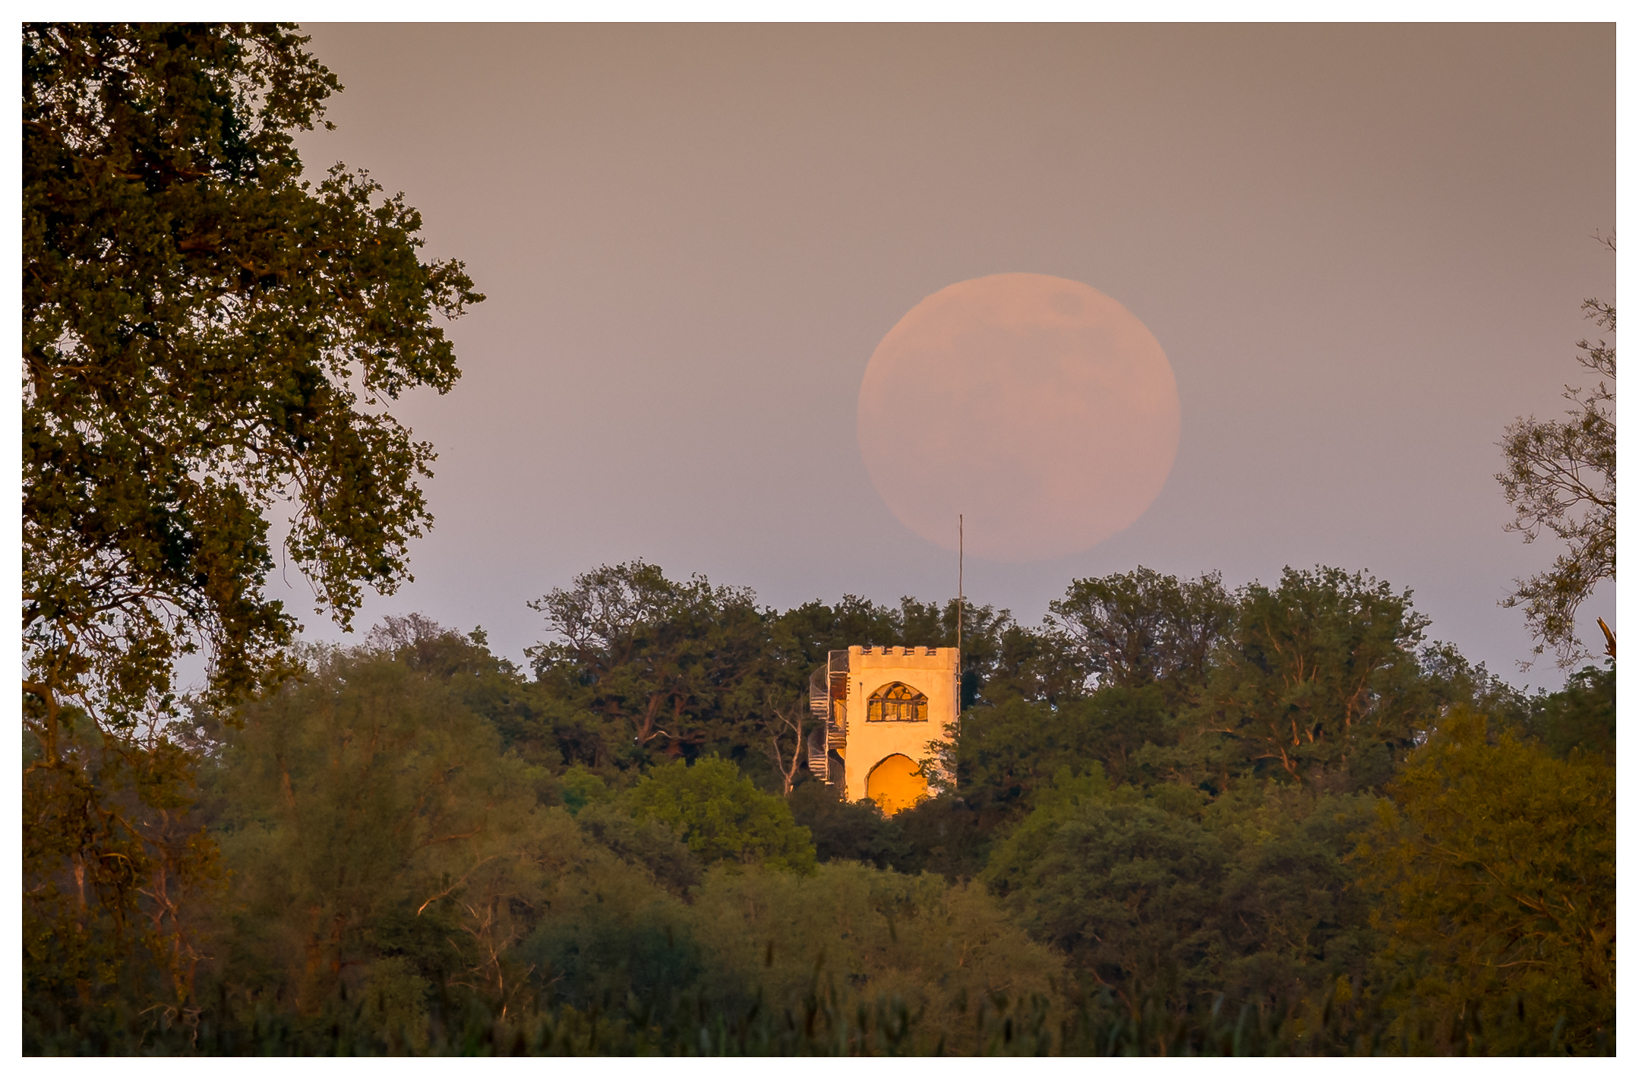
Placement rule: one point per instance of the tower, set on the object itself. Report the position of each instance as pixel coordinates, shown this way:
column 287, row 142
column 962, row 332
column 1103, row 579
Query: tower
column 879, row 710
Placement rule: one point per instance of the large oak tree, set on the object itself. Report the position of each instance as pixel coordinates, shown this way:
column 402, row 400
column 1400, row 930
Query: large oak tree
column 207, row 335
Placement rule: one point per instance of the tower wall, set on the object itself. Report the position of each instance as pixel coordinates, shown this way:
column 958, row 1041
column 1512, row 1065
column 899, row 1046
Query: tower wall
column 932, row 672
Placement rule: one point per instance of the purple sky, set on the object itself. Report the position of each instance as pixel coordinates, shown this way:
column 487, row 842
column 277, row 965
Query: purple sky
column 1362, row 248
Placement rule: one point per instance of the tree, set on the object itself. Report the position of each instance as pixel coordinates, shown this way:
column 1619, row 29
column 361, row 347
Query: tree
column 1318, row 675
column 1007, row 752
column 1128, row 890
column 365, row 812
column 1497, row 867
column 805, row 635
column 850, row 831
column 539, row 729
column 722, row 816
column 1581, row 717
column 1560, row 475
column 859, row 936
column 119, row 881
column 1142, row 627
column 385, row 850
column 791, row 721
column 991, row 644
column 1165, row 893
column 205, row 333
column 672, row 660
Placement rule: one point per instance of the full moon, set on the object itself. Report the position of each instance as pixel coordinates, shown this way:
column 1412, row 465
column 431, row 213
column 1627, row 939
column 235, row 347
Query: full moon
column 1038, row 408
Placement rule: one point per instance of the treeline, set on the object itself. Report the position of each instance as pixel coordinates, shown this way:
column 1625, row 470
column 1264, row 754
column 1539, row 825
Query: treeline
column 1186, row 819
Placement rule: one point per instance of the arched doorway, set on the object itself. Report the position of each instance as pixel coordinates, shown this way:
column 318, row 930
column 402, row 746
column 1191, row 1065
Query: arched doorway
column 896, row 783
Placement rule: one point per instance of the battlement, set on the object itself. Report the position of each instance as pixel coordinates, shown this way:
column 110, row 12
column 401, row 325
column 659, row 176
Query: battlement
column 914, row 656
column 901, row 650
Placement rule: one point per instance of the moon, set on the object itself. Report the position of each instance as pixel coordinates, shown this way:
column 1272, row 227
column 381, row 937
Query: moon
column 1038, row 408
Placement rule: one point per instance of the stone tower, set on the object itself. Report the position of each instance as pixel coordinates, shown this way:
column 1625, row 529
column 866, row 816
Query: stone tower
column 879, row 710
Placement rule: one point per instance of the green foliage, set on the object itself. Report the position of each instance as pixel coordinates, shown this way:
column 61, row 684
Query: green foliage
column 849, row 831
column 1007, row 752
column 1580, row 717
column 205, row 334
column 540, row 728
column 1176, row 896
column 1003, row 750
column 581, row 787
column 117, row 878
column 395, row 1004
column 611, row 933
column 650, row 846
column 996, row 652
column 721, row 816
column 1319, row 675
column 1451, row 680
column 1141, row 627
column 638, row 662
column 1293, row 917
column 415, row 863
column 371, row 814
column 1015, row 857
column 1126, row 889
column 666, row 660
column 199, row 324
column 939, row 949
column 946, row 836
column 1497, row 862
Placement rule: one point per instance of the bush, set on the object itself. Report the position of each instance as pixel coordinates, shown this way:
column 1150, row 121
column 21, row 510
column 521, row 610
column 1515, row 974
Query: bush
column 722, row 817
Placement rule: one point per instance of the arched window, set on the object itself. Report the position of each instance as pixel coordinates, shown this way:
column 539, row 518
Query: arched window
column 896, row 701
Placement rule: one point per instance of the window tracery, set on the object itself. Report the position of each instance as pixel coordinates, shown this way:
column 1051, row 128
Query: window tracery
column 897, row 702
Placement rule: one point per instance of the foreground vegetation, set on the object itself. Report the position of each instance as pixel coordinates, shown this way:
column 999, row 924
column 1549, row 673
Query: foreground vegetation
column 1185, row 821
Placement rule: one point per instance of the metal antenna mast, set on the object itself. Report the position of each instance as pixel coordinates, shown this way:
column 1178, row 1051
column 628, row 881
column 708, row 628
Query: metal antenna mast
column 959, row 556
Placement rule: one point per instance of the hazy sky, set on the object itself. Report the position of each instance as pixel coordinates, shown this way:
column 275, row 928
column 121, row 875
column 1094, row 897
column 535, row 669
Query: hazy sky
column 1363, row 250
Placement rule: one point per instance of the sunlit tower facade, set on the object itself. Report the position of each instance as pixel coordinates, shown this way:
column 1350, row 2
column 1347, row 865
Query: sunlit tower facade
column 878, row 711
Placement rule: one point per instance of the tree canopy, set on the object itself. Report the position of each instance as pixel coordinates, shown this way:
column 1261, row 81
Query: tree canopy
column 205, row 332
column 414, row 837
column 721, row 816
column 1496, row 864
column 1560, row 476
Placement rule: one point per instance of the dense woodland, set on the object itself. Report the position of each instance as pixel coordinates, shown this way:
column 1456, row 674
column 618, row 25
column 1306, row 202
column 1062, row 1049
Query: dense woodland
column 1185, row 819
